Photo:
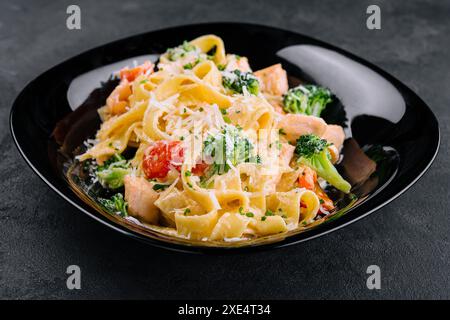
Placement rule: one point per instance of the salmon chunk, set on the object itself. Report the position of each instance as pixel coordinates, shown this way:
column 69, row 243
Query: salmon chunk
column 117, row 100
column 235, row 62
column 295, row 125
column 273, row 80
column 334, row 134
column 286, row 154
column 141, row 197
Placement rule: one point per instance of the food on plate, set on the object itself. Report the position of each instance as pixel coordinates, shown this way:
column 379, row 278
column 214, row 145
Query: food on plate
column 202, row 147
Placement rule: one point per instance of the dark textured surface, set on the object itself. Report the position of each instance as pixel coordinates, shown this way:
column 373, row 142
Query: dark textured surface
column 40, row 234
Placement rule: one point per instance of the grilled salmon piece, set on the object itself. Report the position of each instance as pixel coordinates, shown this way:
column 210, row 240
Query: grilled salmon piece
column 334, row 134
column 141, row 197
column 273, row 80
column 240, row 63
column 296, row 125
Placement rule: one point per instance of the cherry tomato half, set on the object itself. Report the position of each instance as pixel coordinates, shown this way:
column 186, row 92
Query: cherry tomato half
column 160, row 156
column 200, row 168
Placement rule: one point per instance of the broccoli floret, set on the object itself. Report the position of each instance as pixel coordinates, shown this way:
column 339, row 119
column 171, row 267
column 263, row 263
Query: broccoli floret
column 116, row 205
column 312, row 151
column 230, row 146
column 112, row 172
column 310, row 100
column 237, row 80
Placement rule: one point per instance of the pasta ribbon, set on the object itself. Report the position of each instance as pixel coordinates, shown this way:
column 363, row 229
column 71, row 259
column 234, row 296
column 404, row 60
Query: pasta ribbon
column 211, row 42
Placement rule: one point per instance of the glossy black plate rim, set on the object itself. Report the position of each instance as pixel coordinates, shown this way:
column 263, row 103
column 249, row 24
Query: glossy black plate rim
column 379, row 200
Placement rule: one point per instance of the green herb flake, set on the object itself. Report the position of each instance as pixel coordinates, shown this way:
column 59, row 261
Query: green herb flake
column 160, row 186
column 269, row 213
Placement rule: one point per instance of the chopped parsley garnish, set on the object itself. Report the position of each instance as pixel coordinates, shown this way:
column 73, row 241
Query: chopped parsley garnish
column 160, row 186
column 191, row 65
column 269, row 213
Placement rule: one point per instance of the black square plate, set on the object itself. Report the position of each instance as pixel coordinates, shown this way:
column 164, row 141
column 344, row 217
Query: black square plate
column 378, row 111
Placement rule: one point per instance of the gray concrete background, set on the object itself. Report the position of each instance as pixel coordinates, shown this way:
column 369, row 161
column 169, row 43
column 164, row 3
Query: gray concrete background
column 40, row 234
